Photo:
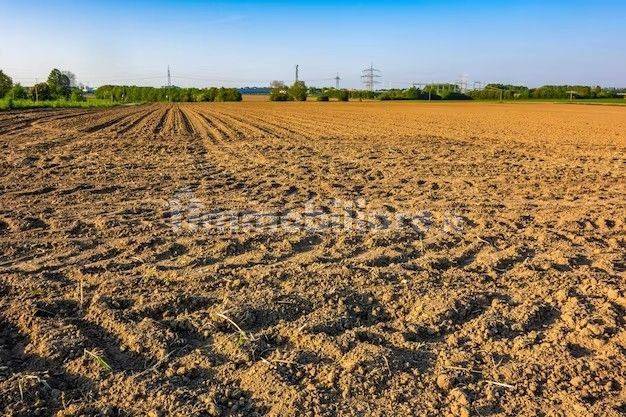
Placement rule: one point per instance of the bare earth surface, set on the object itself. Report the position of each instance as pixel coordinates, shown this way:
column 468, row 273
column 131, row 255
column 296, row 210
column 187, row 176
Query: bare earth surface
column 313, row 259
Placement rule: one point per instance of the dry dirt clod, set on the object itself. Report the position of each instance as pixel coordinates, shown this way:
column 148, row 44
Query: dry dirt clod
column 459, row 403
column 445, row 382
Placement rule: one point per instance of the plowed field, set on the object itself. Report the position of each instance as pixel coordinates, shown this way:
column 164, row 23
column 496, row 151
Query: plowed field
column 313, row 259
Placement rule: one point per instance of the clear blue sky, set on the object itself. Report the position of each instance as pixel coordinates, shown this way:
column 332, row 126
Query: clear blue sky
column 240, row 43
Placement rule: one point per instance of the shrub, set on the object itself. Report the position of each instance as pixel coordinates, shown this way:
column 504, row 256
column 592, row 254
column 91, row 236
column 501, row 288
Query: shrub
column 322, row 97
column 363, row 94
column 77, row 95
column 279, row 96
column 392, row 95
column 343, row 95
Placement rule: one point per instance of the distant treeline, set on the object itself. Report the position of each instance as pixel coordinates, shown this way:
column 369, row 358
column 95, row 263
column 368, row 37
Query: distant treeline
column 429, row 92
column 299, row 92
column 489, row 92
column 439, row 92
column 134, row 94
column 512, row 92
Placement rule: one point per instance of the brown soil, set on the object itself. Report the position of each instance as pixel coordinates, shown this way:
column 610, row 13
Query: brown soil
column 432, row 259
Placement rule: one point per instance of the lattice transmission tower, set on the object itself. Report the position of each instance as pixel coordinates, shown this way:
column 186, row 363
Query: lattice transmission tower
column 369, row 77
column 337, row 79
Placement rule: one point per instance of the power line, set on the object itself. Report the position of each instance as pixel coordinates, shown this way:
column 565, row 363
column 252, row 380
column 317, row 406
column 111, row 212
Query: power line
column 319, row 79
column 369, row 77
column 477, row 85
column 183, row 77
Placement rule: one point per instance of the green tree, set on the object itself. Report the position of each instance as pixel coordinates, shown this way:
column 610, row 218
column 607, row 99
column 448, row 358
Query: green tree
column 298, row 91
column 39, row 92
column 208, row 94
column 279, row 91
column 72, row 77
column 135, row 94
column 59, row 84
column 228, row 94
column 5, row 84
column 17, row 92
column 412, row 94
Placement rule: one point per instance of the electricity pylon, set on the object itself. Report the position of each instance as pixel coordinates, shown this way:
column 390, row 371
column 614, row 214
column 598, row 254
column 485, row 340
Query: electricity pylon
column 369, row 77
